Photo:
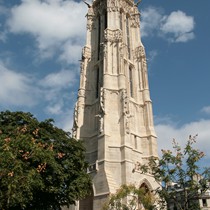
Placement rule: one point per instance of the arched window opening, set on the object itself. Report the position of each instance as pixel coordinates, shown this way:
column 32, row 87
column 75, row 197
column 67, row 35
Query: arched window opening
column 145, row 187
column 128, row 36
column 105, row 20
column 131, row 81
column 97, row 83
column 147, row 200
column 99, row 36
column 121, row 20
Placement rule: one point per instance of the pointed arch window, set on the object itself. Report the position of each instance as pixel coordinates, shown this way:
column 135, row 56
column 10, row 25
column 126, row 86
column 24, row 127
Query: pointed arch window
column 128, row 35
column 97, row 83
column 121, row 20
column 131, row 81
column 105, row 19
column 99, row 37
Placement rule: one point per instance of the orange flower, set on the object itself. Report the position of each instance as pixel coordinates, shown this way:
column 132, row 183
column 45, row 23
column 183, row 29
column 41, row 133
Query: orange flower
column 51, row 147
column 41, row 167
column 33, row 140
column 35, row 132
column 11, row 174
column 7, row 140
column 26, row 155
column 60, row 155
column 24, row 129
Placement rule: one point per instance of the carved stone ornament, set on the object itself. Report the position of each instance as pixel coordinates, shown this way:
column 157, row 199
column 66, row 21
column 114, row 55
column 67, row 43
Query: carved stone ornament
column 122, row 50
column 90, row 12
column 126, row 6
column 113, row 35
column 75, row 124
column 102, row 99
column 90, row 18
column 89, row 25
column 135, row 21
column 140, row 53
column 125, row 102
column 101, row 122
column 82, row 65
column 124, row 97
column 137, row 167
column 104, row 50
column 86, row 53
column 113, row 6
column 118, row 36
column 127, row 126
column 76, row 112
column 81, row 92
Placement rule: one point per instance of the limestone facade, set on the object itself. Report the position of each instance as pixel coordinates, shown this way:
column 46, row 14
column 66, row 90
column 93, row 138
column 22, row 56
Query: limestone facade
column 113, row 113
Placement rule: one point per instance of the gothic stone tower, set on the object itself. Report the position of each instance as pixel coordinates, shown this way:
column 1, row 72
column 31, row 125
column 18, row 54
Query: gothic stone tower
column 113, row 113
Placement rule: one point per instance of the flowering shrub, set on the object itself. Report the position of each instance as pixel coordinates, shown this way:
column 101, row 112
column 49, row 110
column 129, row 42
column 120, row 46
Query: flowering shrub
column 41, row 166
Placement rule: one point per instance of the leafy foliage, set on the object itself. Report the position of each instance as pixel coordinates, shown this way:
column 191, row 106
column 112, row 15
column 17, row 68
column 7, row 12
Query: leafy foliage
column 182, row 181
column 41, row 166
column 128, row 197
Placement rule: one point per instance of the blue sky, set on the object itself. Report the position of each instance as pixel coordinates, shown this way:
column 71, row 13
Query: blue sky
column 41, row 42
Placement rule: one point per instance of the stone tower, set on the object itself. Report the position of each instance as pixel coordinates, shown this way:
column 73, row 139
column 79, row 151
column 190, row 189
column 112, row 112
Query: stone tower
column 113, row 113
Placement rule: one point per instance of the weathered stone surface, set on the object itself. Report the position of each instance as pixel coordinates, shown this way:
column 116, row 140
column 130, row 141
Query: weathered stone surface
column 113, row 114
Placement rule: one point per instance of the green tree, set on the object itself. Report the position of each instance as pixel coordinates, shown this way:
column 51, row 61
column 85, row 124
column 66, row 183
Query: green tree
column 41, row 166
column 129, row 197
column 182, row 181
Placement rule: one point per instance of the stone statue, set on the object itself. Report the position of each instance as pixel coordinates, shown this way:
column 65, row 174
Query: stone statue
column 137, row 3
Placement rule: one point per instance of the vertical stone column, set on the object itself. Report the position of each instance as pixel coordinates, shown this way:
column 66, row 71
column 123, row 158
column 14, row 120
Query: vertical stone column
column 116, row 124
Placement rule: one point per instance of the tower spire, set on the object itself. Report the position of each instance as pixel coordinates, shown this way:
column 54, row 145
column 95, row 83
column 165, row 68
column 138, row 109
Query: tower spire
column 113, row 113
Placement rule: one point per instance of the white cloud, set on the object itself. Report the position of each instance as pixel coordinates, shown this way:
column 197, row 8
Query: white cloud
column 206, row 110
column 71, row 53
column 19, row 89
column 167, row 132
column 151, row 19
column 66, row 121
column 22, row 90
column 58, row 80
column 179, row 25
column 184, row 37
column 175, row 27
column 16, row 88
column 58, row 105
column 51, row 22
column 56, row 91
column 55, row 108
